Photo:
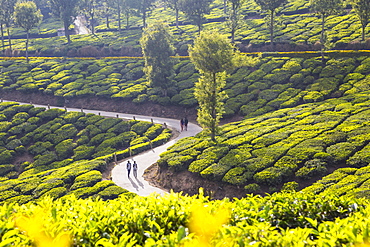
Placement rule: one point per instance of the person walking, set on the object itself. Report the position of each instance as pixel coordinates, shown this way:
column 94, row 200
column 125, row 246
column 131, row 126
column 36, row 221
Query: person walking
column 186, row 121
column 128, row 167
column 134, row 169
column 182, row 124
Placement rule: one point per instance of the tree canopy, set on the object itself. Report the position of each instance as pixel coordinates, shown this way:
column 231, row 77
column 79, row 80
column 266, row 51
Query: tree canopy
column 326, row 8
column 27, row 16
column 213, row 55
column 66, row 11
column 362, row 9
column 271, row 6
column 157, row 48
column 195, row 10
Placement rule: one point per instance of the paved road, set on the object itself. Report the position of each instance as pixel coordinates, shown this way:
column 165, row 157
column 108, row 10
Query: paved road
column 80, row 25
column 144, row 160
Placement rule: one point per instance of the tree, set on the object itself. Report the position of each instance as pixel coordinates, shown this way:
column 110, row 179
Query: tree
column 143, row 6
column 213, row 55
column 174, row 4
column 66, row 11
column 27, row 16
column 234, row 19
column 362, row 9
column 126, row 7
column 271, row 6
column 106, row 11
column 2, row 25
column 157, row 47
column 326, row 8
column 195, row 10
column 118, row 6
column 89, row 8
column 7, row 11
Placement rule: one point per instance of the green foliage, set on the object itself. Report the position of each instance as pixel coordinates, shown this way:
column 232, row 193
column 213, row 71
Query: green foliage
column 285, row 219
column 86, row 180
column 157, row 48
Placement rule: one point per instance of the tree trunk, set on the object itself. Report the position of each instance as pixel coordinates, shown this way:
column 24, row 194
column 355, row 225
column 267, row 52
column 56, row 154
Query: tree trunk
column 272, row 29
column 28, row 35
column 92, row 24
column 119, row 18
column 177, row 18
column 213, row 108
column 199, row 23
column 322, row 41
column 225, row 10
column 9, row 39
column 233, row 35
column 2, row 36
column 322, row 30
column 107, row 18
column 107, row 21
column 66, row 32
column 127, row 21
column 233, row 19
column 144, row 18
column 363, row 31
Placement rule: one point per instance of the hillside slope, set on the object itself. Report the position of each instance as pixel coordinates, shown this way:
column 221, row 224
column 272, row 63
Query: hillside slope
column 300, row 144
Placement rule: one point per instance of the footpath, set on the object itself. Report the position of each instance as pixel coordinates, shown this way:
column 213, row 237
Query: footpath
column 144, row 160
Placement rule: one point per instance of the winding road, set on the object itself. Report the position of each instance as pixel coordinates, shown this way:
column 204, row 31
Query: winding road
column 144, row 160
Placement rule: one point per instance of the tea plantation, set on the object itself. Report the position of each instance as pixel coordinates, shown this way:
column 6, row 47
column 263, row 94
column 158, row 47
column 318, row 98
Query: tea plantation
column 276, row 82
column 296, row 28
column 54, row 152
column 301, row 154
column 281, row 219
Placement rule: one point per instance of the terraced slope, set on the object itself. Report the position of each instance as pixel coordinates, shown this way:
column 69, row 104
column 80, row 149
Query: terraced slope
column 296, row 28
column 54, row 152
column 299, row 144
column 275, row 83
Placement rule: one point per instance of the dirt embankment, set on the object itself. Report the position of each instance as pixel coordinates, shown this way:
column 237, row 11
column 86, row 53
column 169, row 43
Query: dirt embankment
column 104, row 104
column 189, row 183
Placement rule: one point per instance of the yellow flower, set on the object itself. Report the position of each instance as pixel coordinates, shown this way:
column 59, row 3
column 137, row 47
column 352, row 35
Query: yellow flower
column 205, row 225
column 34, row 228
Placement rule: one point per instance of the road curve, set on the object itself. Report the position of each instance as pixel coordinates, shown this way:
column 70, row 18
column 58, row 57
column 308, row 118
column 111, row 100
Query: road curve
column 144, row 160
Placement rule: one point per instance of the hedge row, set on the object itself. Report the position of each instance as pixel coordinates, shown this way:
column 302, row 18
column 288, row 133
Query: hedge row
column 36, row 141
column 281, row 219
column 293, row 144
column 295, row 28
column 82, row 179
column 275, row 83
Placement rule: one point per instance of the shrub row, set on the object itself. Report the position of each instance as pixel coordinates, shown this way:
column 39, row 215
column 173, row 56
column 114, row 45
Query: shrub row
column 294, row 144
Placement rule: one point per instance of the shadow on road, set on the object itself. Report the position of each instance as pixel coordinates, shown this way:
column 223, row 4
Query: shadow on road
column 140, row 183
column 134, row 184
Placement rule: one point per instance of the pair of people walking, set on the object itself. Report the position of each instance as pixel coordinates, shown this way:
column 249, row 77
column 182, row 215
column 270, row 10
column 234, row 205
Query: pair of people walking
column 134, row 168
column 184, row 124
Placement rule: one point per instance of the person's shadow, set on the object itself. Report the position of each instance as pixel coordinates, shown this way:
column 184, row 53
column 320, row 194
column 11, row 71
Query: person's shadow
column 140, row 183
column 134, row 184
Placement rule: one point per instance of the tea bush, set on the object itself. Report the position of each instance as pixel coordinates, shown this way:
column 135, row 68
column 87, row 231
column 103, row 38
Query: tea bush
column 55, row 140
column 293, row 144
column 286, row 219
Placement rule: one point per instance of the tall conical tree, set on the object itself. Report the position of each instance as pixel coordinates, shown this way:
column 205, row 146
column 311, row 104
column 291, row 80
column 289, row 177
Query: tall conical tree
column 213, row 55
